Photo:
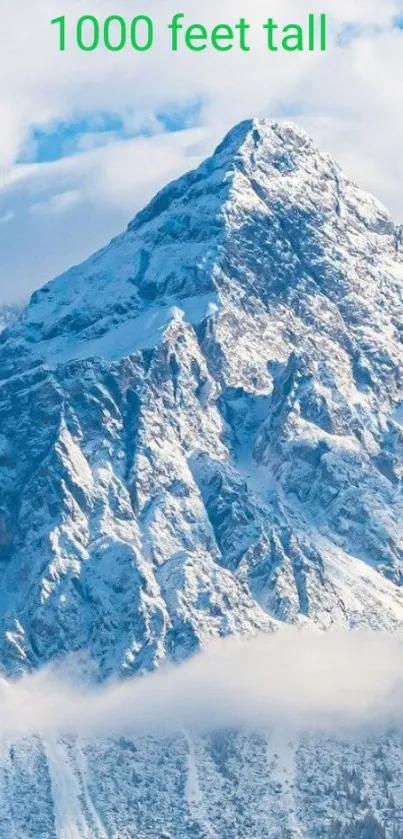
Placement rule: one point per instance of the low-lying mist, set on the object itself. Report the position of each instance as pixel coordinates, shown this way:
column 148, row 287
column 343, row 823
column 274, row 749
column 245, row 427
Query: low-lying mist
column 336, row 681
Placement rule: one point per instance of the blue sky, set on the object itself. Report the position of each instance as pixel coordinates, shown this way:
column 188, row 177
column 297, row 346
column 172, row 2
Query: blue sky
column 87, row 138
column 65, row 138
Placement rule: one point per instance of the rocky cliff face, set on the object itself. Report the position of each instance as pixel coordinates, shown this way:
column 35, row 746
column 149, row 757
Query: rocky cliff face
column 201, row 433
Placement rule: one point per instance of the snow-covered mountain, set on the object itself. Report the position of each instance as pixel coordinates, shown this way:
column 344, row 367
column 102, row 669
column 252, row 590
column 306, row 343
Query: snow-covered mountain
column 8, row 313
column 201, row 433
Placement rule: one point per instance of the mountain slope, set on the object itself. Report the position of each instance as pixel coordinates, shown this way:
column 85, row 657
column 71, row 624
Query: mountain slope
column 202, row 434
column 8, row 313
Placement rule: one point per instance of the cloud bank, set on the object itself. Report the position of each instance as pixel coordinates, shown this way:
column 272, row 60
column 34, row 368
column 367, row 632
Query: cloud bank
column 325, row 682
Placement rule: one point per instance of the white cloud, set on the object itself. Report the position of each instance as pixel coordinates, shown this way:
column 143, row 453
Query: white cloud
column 350, row 99
column 57, row 203
column 332, row 682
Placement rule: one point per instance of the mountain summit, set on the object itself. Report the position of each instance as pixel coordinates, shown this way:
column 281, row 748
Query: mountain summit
column 202, row 435
column 267, row 221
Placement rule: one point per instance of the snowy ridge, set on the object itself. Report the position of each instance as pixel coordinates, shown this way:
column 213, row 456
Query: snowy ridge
column 201, row 435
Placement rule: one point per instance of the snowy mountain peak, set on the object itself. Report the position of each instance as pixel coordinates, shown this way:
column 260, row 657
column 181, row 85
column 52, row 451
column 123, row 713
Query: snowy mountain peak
column 251, row 134
column 267, row 218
